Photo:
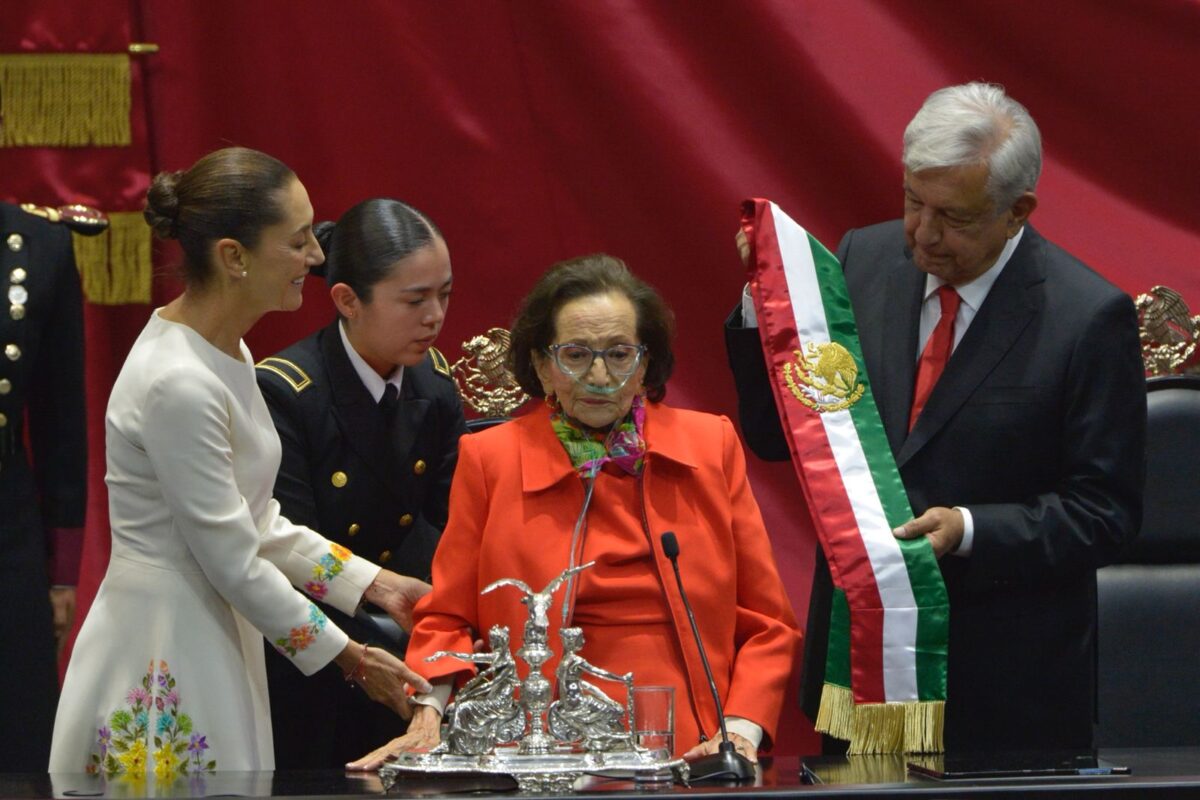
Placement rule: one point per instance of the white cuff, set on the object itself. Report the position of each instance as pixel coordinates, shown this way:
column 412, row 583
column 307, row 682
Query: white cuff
column 748, row 730
column 964, row 547
column 437, row 699
column 749, row 315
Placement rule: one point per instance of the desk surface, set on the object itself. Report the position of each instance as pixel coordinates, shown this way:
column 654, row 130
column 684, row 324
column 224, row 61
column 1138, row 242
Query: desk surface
column 1163, row 772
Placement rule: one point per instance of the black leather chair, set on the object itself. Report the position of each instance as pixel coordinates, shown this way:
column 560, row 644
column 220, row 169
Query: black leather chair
column 1149, row 603
column 483, row 423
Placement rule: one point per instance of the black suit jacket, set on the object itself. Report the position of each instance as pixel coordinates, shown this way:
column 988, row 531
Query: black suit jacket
column 1037, row 426
column 379, row 487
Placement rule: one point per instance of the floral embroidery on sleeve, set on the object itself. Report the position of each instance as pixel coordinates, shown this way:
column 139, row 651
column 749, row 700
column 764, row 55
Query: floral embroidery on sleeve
column 325, row 570
column 123, row 744
column 300, row 637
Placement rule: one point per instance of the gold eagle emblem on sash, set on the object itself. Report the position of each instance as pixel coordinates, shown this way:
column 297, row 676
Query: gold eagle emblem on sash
column 824, row 377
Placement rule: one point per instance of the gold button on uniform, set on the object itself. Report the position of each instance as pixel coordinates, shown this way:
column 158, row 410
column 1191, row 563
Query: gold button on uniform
column 13, row 352
column 353, row 529
column 419, row 467
column 3, row 420
column 16, row 311
column 406, row 520
column 338, row 479
column 385, row 556
column 15, row 242
column 5, row 386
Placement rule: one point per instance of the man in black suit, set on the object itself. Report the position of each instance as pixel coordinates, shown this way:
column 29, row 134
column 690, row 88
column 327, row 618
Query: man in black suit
column 1024, row 464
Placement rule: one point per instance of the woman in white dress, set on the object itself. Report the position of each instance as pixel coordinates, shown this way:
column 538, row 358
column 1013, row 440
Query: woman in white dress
column 167, row 674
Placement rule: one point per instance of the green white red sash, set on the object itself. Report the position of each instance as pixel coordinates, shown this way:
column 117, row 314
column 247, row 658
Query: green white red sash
column 885, row 682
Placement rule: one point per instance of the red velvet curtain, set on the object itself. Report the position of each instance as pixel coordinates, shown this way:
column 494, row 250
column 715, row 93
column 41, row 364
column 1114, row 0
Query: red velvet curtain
column 535, row 130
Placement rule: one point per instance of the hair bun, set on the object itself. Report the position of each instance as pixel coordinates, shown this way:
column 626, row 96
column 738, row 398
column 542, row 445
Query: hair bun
column 162, row 204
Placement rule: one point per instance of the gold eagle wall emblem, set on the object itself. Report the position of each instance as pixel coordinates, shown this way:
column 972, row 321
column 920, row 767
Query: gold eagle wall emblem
column 824, row 377
column 1168, row 331
column 482, row 375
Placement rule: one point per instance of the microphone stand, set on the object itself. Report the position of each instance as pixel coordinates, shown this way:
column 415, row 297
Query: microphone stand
column 727, row 764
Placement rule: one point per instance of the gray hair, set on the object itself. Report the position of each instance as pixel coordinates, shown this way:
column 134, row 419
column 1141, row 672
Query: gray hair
column 976, row 123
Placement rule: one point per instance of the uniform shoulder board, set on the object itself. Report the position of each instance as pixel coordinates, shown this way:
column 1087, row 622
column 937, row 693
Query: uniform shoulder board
column 296, row 378
column 439, row 362
column 81, row 219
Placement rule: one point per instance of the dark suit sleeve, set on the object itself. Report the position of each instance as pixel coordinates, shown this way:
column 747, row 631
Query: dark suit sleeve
column 453, row 425
column 1098, row 505
column 56, row 409
column 293, row 486
column 756, row 402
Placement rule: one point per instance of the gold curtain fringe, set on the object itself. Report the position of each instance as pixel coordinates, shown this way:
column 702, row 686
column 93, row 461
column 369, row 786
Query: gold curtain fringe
column 115, row 266
column 64, row 99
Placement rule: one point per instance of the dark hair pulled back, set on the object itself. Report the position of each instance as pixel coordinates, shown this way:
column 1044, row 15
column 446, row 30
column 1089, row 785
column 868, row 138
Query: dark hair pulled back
column 534, row 328
column 368, row 240
column 231, row 193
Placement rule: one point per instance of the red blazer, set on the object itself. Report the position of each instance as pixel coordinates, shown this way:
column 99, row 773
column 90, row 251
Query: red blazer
column 513, row 506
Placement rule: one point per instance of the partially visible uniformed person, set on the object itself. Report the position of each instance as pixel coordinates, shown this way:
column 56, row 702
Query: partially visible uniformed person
column 43, row 467
column 369, row 418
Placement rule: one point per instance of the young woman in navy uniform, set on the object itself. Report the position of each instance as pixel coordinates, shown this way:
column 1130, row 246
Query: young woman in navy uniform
column 41, row 384
column 370, row 418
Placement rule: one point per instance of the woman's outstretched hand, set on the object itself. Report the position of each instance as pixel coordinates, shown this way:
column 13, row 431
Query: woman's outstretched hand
column 423, row 734
column 740, row 743
column 381, row 675
column 396, row 594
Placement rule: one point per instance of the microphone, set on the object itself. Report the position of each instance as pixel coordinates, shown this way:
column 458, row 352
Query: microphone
column 727, row 764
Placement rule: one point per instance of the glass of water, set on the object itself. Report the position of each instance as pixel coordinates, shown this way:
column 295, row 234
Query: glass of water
column 654, row 717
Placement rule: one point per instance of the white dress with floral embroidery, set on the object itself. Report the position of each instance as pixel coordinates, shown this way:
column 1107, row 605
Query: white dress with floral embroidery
column 167, row 674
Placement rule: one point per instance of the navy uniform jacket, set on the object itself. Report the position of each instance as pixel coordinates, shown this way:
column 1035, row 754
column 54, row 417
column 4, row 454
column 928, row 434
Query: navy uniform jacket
column 380, row 488
column 1037, row 426
column 41, row 381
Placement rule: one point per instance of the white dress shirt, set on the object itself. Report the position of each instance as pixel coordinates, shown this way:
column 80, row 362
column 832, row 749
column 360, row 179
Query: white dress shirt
column 370, row 378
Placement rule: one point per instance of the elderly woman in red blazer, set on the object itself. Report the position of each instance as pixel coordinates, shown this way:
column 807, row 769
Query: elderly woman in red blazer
column 598, row 474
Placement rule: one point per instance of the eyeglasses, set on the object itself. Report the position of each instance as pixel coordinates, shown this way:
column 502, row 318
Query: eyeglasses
column 576, row 359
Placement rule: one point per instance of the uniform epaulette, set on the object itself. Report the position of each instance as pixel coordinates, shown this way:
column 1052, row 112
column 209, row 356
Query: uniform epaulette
column 296, row 378
column 81, row 219
column 440, row 364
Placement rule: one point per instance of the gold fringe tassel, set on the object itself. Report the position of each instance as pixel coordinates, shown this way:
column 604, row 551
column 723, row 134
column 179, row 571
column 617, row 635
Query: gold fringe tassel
column 835, row 715
column 64, row 99
column 881, row 727
column 923, row 726
column 877, row 728
column 115, row 266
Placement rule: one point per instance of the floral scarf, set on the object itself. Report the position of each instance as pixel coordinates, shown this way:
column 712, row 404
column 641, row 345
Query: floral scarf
column 590, row 450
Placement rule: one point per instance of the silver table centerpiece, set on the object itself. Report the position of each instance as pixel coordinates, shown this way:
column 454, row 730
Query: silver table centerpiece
column 500, row 725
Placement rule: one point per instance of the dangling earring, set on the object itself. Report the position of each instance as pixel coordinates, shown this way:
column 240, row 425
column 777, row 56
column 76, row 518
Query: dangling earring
column 552, row 402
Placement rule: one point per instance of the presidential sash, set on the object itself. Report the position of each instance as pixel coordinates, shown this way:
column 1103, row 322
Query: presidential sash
column 885, row 676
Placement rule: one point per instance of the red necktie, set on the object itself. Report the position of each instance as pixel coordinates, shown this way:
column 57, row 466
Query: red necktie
column 937, row 352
